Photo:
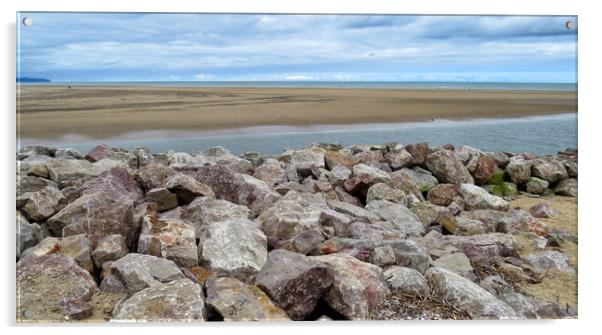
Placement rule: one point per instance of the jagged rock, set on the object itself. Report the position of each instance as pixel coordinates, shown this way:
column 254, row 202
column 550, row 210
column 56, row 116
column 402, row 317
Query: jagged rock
column 338, row 174
column 443, row 194
column 34, row 166
column 110, row 248
column 204, row 211
column 237, row 164
column 31, row 184
column 302, row 243
column 182, row 161
column 28, row 234
column 399, row 158
column 468, row 296
column 294, row 282
column 178, row 300
column 531, row 307
column 234, row 300
column 71, row 193
column 141, row 157
column 101, row 152
column 537, row 186
column 458, row 225
column 550, row 170
column 456, row 262
column 501, row 221
column 115, row 183
column 370, row 175
column 354, row 211
column 550, row 260
column 571, row 167
column 428, row 213
column 381, row 191
column 186, row 188
column 96, row 215
column 235, row 248
column 256, row 158
column 76, row 247
column 343, row 196
column 168, row 238
column 44, row 203
column 152, row 175
column 448, row 168
column 110, row 284
column 303, row 160
column 484, row 248
column 163, row 199
column 496, row 285
column 139, row 271
column 43, row 282
column 35, row 150
column 240, row 189
column 424, row 179
column 339, row 158
column 366, row 231
column 477, row 198
column 271, row 172
column 419, row 151
column 407, row 281
column 65, row 170
column 485, row 166
column 567, row 187
column 501, row 158
column 541, row 211
column 398, row 215
column 519, row 170
column 295, row 213
column 383, row 256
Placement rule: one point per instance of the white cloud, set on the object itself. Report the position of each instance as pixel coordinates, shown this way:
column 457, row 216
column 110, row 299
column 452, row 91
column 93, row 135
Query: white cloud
column 204, row 76
column 299, row 77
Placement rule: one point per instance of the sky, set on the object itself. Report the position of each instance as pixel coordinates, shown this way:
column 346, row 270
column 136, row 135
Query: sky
column 73, row 47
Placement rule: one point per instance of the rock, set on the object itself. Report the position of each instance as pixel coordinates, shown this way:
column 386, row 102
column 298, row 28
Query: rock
column 448, row 168
column 65, row 170
column 407, row 281
column 567, row 187
column 46, row 281
column 399, row 216
column 237, row 164
column 409, row 254
column 530, row 307
column 163, row 199
column 477, row 198
column 519, row 170
column 484, row 168
column 271, row 172
column 204, row 211
column 550, row 260
column 186, row 188
column 381, row 191
column 35, row 150
column 357, row 287
column 571, row 167
column 139, row 271
column 110, row 284
column 399, row 158
column 110, row 248
column 339, row 158
column 365, row 231
column 402, row 181
column 34, row 166
column 443, row 194
column 168, row 238
column 234, row 300
column 44, row 203
column 468, row 296
column 419, row 151
column 238, row 188
column 383, row 256
column 550, row 170
column 141, row 157
column 295, row 213
column 458, row 225
column 541, row 211
column 256, row 158
column 182, row 161
column 153, row 174
column 501, row 221
column 457, row 263
column 496, row 285
column 235, row 248
column 424, row 179
column 302, row 243
column 178, row 300
column 115, row 183
column 537, row 186
column 78, row 247
column 369, row 175
column 71, row 193
column 303, row 160
column 343, row 196
column 32, row 184
column 101, row 152
column 501, row 158
column 76, row 309
column 338, row 174
column 96, row 215
column 484, row 248
column 428, row 213
column 28, row 234
column 354, row 211
column 294, row 282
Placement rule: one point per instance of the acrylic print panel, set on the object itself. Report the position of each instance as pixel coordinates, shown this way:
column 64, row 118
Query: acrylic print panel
column 238, row 167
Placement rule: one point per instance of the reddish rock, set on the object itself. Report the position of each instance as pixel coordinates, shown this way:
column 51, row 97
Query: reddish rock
column 541, row 211
column 484, row 168
column 443, row 194
column 186, row 188
column 419, row 151
column 153, row 174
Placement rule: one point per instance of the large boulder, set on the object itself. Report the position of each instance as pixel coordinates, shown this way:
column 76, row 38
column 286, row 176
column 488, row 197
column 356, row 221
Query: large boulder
column 303, row 160
column 168, row 238
column 354, row 211
column 110, row 248
column 97, row 215
column 162, row 198
column 448, row 168
column 178, row 300
column 398, row 158
column 456, row 262
column 477, row 198
column 271, row 172
column 484, row 167
column 370, row 175
column 49, row 283
column 398, row 215
column 235, row 248
column 407, row 281
column 567, row 187
column 234, row 300
column 186, row 188
column 467, row 296
column 28, row 234
column 153, row 174
column 412, row 186
column 65, row 170
column 424, row 179
column 419, row 151
column 139, row 271
column 550, row 260
column 550, row 170
column 443, row 194
column 204, row 211
column 30, row 184
column 115, row 183
column 357, row 287
column 537, row 186
column 238, row 188
column 294, row 282
column 382, row 191
column 44, row 203
column 519, row 170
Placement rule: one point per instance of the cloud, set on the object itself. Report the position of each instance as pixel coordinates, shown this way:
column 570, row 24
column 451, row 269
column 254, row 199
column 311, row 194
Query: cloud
column 204, row 76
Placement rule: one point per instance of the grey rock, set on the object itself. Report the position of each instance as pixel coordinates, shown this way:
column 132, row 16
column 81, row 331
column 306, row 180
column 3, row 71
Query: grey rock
column 172, row 239
column 28, row 234
column 381, row 191
column 110, row 248
column 163, row 199
column 519, row 170
column 496, row 285
column 407, row 281
column 186, row 188
column 303, row 160
column 457, row 263
column 567, row 187
column 541, row 211
column 550, row 170
column 477, row 198
column 68, row 153
column 44, row 203
column 448, row 168
column 139, row 271
column 398, row 215
column 204, row 211
column 550, row 260
column 537, row 186
column 271, row 172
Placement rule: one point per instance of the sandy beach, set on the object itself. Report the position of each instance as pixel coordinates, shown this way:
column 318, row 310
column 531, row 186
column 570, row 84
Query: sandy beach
column 49, row 112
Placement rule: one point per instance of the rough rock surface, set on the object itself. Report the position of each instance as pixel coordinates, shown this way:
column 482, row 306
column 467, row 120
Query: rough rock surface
column 477, row 198
column 44, row 203
column 407, row 280
column 398, row 215
column 294, row 282
column 110, row 248
column 28, row 234
column 186, row 188
column 138, row 271
column 204, row 211
column 448, row 168
column 168, row 238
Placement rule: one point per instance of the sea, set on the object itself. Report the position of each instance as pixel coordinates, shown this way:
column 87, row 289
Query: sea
column 546, row 134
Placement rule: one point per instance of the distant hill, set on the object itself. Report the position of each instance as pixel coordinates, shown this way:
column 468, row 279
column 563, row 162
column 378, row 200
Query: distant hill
column 32, row 80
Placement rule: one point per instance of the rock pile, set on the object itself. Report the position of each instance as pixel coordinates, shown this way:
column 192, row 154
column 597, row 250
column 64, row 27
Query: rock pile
column 323, row 232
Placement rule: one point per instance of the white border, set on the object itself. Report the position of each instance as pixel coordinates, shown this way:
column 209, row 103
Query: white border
column 589, row 122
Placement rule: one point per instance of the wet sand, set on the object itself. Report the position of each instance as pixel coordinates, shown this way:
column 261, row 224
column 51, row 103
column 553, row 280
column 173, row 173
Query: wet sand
column 50, row 112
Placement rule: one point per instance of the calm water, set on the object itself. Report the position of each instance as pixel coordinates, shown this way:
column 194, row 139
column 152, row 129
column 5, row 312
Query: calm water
column 539, row 135
column 572, row 87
